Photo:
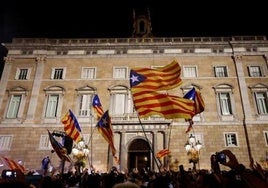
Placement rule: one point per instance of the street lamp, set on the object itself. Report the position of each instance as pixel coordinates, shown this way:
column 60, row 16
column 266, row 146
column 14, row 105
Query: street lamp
column 80, row 154
column 192, row 148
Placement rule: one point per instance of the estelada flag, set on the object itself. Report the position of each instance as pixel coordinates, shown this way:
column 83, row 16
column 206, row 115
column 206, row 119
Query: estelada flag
column 58, row 148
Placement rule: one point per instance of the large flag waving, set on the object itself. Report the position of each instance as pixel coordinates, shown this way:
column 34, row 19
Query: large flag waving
column 149, row 103
column 58, row 148
column 105, row 128
column 199, row 105
column 71, row 126
column 97, row 106
column 164, row 78
column 11, row 164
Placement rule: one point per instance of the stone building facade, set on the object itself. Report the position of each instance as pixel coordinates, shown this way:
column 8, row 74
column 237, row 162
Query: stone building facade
column 43, row 78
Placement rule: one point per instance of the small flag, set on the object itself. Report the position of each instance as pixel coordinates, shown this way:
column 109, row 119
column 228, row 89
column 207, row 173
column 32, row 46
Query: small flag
column 97, row 106
column 162, row 153
column 11, row 164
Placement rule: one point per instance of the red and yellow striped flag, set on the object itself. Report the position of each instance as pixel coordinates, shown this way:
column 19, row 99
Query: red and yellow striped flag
column 164, row 78
column 11, row 164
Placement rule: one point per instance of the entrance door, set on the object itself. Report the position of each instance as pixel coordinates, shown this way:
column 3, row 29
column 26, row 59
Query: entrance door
column 139, row 155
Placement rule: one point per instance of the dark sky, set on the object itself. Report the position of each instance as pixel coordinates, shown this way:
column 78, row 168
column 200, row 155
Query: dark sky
column 113, row 18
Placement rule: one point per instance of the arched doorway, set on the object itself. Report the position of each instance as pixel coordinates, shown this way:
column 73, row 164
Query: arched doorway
column 139, row 155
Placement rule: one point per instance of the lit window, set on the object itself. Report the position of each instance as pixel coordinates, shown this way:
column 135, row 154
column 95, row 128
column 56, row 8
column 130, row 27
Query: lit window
column 85, row 97
column 220, row 71
column 231, row 139
column 13, row 107
column 261, row 102
column 225, row 103
column 52, row 104
column 260, row 94
column 121, row 101
column 120, row 72
column 254, row 71
column 5, row 142
column 89, row 73
column 189, row 72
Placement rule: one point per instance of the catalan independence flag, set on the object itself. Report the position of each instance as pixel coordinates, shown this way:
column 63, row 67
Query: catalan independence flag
column 58, row 148
column 149, row 103
column 71, row 126
column 199, row 105
column 11, row 164
column 164, row 78
column 97, row 106
column 105, row 129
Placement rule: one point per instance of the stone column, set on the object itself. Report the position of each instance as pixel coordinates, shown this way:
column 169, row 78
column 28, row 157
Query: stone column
column 40, row 61
column 242, row 87
column 4, row 79
column 123, row 151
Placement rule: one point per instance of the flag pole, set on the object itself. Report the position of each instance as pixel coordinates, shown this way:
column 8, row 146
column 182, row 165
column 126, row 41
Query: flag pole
column 149, row 145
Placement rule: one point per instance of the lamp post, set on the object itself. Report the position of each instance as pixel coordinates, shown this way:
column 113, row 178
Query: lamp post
column 192, row 148
column 80, row 154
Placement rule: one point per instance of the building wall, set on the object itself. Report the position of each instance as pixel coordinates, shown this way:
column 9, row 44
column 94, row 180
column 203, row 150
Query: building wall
column 41, row 55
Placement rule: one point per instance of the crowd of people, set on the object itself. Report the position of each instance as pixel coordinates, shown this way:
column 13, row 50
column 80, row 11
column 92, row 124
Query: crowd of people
column 237, row 177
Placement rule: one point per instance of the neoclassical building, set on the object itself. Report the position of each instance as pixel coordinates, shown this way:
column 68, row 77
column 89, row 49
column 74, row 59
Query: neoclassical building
column 44, row 77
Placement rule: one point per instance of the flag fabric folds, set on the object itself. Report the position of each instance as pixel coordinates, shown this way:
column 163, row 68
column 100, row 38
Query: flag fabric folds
column 163, row 78
column 58, row 148
column 71, row 126
column 149, row 103
column 162, row 153
column 199, row 105
column 11, row 164
column 97, row 106
column 105, row 129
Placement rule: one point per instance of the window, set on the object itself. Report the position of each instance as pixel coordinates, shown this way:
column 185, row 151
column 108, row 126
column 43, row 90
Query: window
column 85, row 101
column 13, row 107
column 260, row 97
column 261, row 102
column 254, row 71
column 88, row 73
column 53, row 103
column 121, row 102
column 5, row 142
column 266, row 137
column 120, row 72
column 220, row 71
column 225, row 103
column 189, row 72
column 44, row 143
column 85, row 97
column 16, row 103
column 22, row 74
column 230, row 139
column 58, row 73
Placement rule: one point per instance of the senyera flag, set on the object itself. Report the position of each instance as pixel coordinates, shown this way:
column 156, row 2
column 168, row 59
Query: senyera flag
column 11, row 164
column 162, row 153
column 71, row 126
column 164, row 78
column 58, row 148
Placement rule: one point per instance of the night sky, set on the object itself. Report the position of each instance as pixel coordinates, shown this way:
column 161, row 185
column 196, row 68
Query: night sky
column 103, row 18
